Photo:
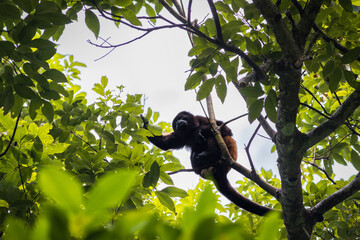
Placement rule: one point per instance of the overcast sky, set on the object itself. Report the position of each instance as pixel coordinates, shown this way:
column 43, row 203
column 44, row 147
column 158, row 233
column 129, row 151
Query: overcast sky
column 157, row 66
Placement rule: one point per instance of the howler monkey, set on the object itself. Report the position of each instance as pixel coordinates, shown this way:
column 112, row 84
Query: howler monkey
column 195, row 133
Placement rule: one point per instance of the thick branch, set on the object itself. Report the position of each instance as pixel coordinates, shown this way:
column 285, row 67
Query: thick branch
column 307, row 21
column 236, row 166
column 273, row 191
column 337, row 119
column 283, row 35
column 266, row 126
column 251, row 77
column 337, row 197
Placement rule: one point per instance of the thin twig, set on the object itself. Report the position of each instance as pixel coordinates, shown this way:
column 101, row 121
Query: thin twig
column 247, row 149
column 181, row 170
column 307, row 90
column 13, row 136
column 231, row 120
column 219, row 35
column 322, row 170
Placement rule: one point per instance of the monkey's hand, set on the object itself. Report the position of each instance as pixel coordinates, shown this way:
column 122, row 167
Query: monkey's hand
column 199, row 138
column 145, row 121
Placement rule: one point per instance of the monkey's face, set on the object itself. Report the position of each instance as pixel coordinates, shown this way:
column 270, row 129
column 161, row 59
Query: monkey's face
column 183, row 124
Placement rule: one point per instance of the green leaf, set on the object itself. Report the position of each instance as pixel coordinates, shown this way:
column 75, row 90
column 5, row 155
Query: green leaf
column 92, row 22
column 213, row 68
column 24, row 91
column 130, row 16
column 130, row 107
column 328, row 68
column 236, row 4
column 48, row 111
column 252, row 91
column 50, row 94
column 104, row 81
column 34, row 105
column 55, row 75
column 335, row 78
column 150, row 12
column 59, row 88
column 175, row 192
column 27, row 33
column 346, row 4
column 210, row 25
column 166, row 178
column 8, row 99
column 194, row 80
column 123, row 3
column 270, row 109
column 109, row 190
column 255, row 109
column 4, row 203
column 38, row 146
column 108, row 136
column 56, row 18
column 6, row 48
column 223, row 7
column 26, row 5
column 351, row 56
column 207, row 203
column 270, row 227
column 151, row 178
column 251, row 12
column 205, row 89
column 220, row 87
column 355, row 159
column 42, row 81
column 24, row 80
column 350, row 78
column 15, row 229
column 165, row 200
column 45, row 53
column 62, row 188
column 41, row 43
column 9, row 11
column 338, row 158
column 56, row 36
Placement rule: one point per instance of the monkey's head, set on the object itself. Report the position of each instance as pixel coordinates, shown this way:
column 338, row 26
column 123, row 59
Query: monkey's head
column 184, row 124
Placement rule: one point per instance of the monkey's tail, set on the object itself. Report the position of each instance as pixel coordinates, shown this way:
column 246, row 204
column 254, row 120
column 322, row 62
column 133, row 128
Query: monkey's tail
column 223, row 185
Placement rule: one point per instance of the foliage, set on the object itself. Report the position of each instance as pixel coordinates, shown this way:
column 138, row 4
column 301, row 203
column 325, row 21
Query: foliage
column 73, row 169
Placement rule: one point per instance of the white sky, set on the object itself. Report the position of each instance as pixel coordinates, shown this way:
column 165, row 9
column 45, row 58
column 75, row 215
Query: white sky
column 156, row 67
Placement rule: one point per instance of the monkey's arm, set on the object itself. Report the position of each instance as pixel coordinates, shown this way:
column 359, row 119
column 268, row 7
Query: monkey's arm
column 166, row 142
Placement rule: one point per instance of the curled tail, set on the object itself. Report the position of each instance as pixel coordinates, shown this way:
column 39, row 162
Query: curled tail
column 224, row 187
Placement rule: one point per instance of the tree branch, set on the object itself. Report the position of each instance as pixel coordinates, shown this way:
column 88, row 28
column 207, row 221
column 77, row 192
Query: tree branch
column 336, row 120
column 219, row 35
column 173, row 12
column 283, row 35
column 12, row 136
column 307, row 21
column 273, row 191
column 324, row 36
column 339, row 196
column 251, row 77
column 247, row 148
column 268, row 129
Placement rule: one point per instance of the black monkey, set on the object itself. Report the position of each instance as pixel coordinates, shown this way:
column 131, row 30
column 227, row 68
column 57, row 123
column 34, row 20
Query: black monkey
column 195, row 133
